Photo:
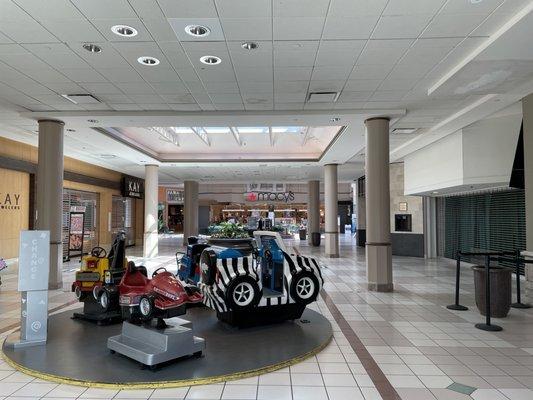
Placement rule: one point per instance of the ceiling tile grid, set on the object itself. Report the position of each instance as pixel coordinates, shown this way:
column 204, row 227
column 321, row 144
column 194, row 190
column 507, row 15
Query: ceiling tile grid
column 376, row 53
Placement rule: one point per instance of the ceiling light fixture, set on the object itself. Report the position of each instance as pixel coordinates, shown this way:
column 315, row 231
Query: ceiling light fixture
column 124, row 30
column 249, row 45
column 404, row 130
column 149, row 61
column 197, row 30
column 210, row 60
column 92, row 48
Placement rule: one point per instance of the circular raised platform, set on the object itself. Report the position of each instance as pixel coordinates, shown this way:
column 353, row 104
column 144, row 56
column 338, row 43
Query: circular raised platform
column 76, row 352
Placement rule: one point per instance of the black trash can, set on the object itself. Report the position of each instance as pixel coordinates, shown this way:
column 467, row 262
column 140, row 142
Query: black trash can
column 315, row 239
column 500, row 290
column 303, row 234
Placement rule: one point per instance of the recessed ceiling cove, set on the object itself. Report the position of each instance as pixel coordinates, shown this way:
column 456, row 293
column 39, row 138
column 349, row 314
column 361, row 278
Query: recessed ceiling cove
column 228, row 143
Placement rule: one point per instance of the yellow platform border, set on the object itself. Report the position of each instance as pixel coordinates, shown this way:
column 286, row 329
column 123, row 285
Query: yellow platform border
column 165, row 384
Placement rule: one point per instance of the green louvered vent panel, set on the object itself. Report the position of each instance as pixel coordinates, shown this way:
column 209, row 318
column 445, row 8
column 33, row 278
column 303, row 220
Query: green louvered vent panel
column 484, row 222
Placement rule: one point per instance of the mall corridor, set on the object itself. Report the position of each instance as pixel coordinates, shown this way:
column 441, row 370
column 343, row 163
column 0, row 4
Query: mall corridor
column 421, row 350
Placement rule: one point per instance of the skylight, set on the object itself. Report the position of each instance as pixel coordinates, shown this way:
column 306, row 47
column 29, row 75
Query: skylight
column 252, row 129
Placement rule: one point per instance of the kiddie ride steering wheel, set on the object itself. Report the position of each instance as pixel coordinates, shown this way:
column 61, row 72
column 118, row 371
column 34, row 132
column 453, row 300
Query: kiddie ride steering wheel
column 98, row 252
column 159, row 270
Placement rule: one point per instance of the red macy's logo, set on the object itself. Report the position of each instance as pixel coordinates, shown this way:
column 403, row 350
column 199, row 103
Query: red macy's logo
column 251, row 196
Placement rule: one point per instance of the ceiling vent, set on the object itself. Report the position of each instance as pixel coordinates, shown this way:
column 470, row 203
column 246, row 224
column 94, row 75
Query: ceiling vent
column 322, row 97
column 81, row 98
column 400, row 131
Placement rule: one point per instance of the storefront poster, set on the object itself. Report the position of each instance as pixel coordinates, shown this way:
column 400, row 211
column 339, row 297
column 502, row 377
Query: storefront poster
column 76, row 231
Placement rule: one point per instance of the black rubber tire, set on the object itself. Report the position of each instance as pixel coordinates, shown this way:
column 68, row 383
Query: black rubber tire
column 100, row 301
column 146, row 317
column 236, row 283
column 208, row 267
column 294, row 282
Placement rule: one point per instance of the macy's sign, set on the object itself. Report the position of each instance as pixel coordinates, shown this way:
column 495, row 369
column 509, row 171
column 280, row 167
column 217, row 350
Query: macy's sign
column 269, row 196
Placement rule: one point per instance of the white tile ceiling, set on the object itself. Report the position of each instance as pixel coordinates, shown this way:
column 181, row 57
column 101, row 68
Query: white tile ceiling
column 378, row 53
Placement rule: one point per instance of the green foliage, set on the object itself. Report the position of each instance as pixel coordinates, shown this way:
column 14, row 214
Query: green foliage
column 228, row 230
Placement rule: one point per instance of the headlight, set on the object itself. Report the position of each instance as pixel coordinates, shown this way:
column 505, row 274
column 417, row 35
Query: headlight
column 107, row 277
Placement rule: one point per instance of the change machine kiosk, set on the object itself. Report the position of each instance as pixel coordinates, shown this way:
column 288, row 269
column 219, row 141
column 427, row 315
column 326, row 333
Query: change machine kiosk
column 34, row 262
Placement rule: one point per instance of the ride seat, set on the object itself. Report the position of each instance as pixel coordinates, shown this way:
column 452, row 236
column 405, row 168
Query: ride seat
column 136, row 276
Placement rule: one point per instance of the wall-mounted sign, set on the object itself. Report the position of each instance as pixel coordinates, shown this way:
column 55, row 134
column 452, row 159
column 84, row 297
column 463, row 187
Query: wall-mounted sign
column 10, row 201
column 403, row 206
column 132, row 187
column 265, row 187
column 175, row 196
column 269, row 196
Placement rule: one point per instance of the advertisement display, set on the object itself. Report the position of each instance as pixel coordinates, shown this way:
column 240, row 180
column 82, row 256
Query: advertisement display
column 76, row 232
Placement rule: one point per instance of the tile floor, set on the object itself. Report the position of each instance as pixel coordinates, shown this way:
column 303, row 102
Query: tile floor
column 421, row 348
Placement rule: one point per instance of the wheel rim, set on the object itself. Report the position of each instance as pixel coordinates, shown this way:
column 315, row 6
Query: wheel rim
column 77, row 292
column 145, row 307
column 243, row 294
column 104, row 301
column 96, row 289
column 305, row 288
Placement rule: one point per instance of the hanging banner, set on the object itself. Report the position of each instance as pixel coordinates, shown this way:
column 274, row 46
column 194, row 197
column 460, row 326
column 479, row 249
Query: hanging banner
column 75, row 234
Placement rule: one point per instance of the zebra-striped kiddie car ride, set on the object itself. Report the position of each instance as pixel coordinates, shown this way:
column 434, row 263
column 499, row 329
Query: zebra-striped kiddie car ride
column 264, row 284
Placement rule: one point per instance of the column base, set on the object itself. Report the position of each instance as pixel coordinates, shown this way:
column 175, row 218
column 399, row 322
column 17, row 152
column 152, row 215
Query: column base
column 55, row 278
column 379, row 267
column 380, row 287
column 332, row 245
column 150, row 245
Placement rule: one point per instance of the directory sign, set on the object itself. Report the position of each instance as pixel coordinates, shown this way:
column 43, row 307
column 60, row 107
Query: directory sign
column 34, row 265
column 34, row 260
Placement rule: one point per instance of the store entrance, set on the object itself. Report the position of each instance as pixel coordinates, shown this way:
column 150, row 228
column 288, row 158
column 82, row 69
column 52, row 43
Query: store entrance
column 175, row 218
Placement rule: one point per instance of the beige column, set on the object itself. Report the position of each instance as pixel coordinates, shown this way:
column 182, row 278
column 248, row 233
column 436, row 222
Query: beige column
column 190, row 210
column 49, row 194
column 151, row 188
column 378, row 245
column 331, row 210
column 527, row 118
column 313, row 209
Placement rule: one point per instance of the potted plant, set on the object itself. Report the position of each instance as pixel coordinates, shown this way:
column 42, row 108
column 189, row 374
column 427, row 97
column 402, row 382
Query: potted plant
column 229, row 234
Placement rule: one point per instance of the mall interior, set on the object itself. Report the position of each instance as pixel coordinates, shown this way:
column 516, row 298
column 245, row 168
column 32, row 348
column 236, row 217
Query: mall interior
column 266, row 199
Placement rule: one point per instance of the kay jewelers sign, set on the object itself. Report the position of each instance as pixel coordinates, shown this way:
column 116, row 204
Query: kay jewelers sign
column 285, row 197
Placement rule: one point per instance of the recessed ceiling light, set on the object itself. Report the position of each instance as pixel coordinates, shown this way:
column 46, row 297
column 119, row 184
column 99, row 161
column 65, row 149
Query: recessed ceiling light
column 93, row 121
column 197, row 30
column 210, row 60
column 150, row 61
column 249, row 45
column 335, row 119
column 93, row 48
column 124, row 30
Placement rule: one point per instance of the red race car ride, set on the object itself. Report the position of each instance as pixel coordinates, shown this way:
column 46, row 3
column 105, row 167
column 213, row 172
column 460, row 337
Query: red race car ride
column 164, row 296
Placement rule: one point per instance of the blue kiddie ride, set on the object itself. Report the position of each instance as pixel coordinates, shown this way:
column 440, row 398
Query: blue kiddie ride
column 189, row 262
